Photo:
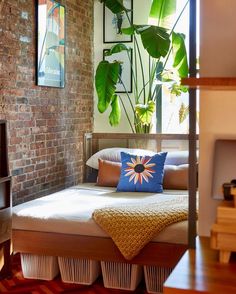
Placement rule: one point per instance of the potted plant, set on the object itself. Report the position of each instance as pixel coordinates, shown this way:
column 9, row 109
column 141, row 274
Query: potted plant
column 160, row 41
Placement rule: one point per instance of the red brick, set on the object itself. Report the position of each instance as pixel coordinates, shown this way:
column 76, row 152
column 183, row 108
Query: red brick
column 45, row 124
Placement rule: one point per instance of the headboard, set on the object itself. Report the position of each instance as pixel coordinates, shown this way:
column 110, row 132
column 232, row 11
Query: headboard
column 94, row 142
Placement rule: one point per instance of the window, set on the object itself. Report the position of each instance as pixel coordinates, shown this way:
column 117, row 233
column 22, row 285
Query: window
column 172, row 112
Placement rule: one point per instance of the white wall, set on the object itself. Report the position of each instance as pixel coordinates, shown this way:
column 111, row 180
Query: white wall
column 217, row 108
column 141, row 10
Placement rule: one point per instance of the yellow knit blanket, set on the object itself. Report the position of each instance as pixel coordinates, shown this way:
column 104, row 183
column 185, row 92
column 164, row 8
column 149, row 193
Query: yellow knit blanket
column 131, row 227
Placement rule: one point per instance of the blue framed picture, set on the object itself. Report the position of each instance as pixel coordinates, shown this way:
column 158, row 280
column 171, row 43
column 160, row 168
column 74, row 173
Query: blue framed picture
column 50, row 53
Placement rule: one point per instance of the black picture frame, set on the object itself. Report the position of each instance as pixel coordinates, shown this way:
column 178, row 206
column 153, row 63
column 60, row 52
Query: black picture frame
column 127, row 69
column 50, row 43
column 112, row 33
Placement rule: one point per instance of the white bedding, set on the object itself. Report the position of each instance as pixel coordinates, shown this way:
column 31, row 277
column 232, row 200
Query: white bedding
column 70, row 211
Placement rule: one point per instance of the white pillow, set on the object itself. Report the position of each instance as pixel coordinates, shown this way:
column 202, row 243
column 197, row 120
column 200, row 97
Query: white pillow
column 177, row 157
column 113, row 154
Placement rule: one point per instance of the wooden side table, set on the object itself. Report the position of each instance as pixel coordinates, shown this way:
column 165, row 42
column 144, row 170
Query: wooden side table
column 199, row 271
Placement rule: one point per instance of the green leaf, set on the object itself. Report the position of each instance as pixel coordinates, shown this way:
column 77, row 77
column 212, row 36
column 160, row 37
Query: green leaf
column 179, row 54
column 128, row 31
column 145, row 112
column 169, row 75
column 162, row 12
column 106, row 78
column 115, row 115
column 177, row 89
column 155, row 40
column 116, row 6
column 183, row 112
column 117, row 49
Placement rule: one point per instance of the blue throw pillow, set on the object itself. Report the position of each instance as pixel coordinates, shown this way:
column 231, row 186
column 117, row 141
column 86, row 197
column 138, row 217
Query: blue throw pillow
column 142, row 173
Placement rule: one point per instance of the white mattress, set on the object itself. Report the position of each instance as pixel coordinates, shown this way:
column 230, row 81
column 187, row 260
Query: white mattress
column 70, row 211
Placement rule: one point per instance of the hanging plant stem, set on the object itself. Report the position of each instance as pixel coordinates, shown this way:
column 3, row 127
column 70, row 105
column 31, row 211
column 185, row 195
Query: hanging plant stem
column 140, row 59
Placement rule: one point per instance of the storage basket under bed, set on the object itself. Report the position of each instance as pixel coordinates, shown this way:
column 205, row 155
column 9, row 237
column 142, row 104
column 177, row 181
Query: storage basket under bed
column 155, row 276
column 39, row 266
column 121, row 275
column 79, row 271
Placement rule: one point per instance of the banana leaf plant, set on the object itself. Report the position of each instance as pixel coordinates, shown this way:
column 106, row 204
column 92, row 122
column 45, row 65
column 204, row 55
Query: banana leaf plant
column 160, row 42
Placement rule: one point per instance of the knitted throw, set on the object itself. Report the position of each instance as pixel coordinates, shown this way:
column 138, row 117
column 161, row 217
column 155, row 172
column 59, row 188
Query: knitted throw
column 131, row 227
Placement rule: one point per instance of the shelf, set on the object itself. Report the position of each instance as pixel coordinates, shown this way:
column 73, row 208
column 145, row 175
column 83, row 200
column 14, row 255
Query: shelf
column 211, row 83
column 5, row 205
column 5, row 179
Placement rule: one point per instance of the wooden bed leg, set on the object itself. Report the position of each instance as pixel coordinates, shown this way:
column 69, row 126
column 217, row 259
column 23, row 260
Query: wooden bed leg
column 224, row 256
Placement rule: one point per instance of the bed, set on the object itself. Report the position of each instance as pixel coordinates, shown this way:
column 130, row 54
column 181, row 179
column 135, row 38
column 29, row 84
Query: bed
column 40, row 229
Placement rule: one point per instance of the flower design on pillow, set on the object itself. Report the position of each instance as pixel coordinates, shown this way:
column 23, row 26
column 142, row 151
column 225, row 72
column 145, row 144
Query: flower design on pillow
column 140, row 169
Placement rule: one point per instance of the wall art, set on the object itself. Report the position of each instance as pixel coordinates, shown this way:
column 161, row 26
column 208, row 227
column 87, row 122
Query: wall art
column 113, row 24
column 50, row 65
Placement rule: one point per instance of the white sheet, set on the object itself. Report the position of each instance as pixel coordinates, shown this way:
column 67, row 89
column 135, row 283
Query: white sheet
column 70, row 211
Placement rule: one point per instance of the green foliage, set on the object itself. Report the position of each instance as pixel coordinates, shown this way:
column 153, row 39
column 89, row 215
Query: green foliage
column 160, row 42
column 145, row 112
column 177, row 89
column 128, row 31
column 116, row 6
column 183, row 112
column 162, row 11
column 117, row 49
column 155, row 40
column 115, row 114
column 179, row 54
column 106, row 78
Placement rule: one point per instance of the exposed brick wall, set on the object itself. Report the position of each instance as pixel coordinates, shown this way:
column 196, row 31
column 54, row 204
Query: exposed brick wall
column 45, row 125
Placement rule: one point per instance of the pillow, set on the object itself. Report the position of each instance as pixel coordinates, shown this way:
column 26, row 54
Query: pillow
column 113, row 154
column 176, row 177
column 142, row 173
column 177, row 157
column 108, row 173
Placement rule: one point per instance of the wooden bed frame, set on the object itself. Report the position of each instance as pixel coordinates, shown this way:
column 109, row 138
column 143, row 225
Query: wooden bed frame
column 95, row 248
column 100, row 248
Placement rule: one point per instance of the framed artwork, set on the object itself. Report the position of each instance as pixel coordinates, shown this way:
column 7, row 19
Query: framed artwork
column 113, row 23
column 224, row 162
column 50, row 39
column 125, row 81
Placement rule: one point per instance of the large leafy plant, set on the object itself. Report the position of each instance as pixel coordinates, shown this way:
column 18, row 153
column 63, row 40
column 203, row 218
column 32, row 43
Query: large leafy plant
column 160, row 41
